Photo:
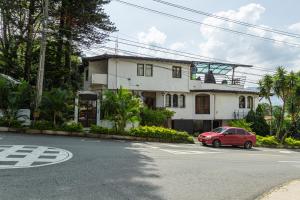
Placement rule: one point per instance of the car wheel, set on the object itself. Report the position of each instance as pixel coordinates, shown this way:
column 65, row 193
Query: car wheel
column 204, row 144
column 248, row 145
column 216, row 143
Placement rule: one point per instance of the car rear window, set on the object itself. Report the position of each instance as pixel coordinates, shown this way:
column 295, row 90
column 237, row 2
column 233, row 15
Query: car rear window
column 240, row 131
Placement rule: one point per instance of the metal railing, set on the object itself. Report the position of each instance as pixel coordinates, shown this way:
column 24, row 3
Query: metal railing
column 223, row 79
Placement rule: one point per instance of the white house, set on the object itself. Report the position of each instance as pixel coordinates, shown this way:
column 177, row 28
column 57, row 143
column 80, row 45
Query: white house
column 203, row 95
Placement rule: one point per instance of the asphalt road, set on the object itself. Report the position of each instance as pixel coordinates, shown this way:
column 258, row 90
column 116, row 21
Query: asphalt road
column 104, row 169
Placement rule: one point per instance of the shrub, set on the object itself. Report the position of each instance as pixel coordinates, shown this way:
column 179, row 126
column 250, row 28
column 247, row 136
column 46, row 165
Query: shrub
column 157, row 117
column 292, row 142
column 165, row 134
column 241, row 123
column 42, row 125
column 258, row 123
column 7, row 122
column 73, row 127
column 268, row 140
column 102, row 130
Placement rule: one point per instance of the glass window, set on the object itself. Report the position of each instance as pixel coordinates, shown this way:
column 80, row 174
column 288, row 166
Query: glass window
column 250, row 102
column 231, row 131
column 140, row 69
column 148, row 70
column 168, row 100
column 242, row 102
column 182, row 101
column 240, row 131
column 202, row 104
column 175, row 100
column 176, row 72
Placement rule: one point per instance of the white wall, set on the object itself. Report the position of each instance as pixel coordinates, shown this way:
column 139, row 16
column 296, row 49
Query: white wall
column 95, row 67
column 126, row 72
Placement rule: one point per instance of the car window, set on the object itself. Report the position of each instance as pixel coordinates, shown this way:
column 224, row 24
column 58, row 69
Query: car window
column 240, row 132
column 231, row 131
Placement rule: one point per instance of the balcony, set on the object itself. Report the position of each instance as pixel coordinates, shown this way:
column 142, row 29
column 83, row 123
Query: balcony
column 100, row 79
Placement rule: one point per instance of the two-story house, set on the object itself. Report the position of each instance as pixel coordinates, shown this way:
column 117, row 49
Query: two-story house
column 203, row 95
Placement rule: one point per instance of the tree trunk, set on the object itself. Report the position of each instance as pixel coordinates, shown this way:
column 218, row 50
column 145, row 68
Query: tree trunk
column 60, row 37
column 281, row 121
column 68, row 47
column 29, row 41
column 271, row 113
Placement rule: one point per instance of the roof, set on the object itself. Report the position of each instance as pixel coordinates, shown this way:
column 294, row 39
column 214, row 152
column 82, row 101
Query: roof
column 200, row 66
column 237, row 91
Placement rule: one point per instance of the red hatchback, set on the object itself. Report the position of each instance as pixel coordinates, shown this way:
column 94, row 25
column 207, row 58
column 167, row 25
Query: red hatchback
column 228, row 136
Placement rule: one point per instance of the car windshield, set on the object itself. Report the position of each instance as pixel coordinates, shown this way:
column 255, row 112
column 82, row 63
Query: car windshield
column 219, row 130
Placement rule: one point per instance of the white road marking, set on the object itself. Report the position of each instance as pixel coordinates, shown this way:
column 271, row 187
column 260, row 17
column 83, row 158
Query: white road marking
column 285, row 151
column 183, row 152
column 25, row 156
column 288, row 161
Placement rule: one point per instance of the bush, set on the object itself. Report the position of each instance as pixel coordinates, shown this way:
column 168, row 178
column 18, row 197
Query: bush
column 157, row 117
column 102, row 130
column 42, row 125
column 292, row 142
column 258, row 123
column 165, row 134
column 10, row 122
column 268, row 140
column 73, row 127
column 241, row 123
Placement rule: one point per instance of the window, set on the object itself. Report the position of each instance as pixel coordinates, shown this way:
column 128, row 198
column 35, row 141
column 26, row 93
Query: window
column 250, row 102
column 168, row 100
column 242, row 102
column 182, row 101
column 202, row 104
column 176, row 72
column 175, row 100
column 240, row 132
column 148, row 70
column 231, row 131
column 140, row 69
column 86, row 74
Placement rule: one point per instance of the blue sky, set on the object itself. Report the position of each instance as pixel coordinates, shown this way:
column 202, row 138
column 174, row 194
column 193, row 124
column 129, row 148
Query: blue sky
column 158, row 30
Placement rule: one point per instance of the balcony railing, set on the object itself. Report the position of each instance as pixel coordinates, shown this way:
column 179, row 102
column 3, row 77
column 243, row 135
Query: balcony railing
column 99, row 79
column 222, row 79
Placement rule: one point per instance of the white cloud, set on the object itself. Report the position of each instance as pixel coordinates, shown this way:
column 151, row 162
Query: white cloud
column 177, row 46
column 152, row 36
column 244, row 49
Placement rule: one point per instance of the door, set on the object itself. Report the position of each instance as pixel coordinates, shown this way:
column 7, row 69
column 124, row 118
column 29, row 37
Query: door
column 87, row 109
column 229, row 137
column 241, row 136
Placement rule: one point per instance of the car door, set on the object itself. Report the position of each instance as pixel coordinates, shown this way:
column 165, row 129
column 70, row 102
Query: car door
column 240, row 136
column 229, row 137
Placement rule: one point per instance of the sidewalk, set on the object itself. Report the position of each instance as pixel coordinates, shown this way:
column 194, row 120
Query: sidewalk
column 289, row 191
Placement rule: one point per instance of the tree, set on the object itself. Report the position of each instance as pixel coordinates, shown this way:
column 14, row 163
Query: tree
column 266, row 86
column 121, row 107
column 257, row 121
column 55, row 104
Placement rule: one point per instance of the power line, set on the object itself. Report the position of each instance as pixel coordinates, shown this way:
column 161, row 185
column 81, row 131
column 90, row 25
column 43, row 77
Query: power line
column 213, row 26
column 280, row 32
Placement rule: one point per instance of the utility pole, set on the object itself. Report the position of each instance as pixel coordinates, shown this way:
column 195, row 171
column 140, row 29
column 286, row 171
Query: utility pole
column 40, row 76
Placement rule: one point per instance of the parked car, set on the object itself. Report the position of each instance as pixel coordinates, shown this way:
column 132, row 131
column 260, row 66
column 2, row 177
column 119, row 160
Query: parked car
column 228, row 136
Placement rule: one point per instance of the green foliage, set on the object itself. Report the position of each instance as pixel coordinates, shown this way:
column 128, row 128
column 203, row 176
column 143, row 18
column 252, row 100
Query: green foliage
column 292, row 142
column 241, row 123
column 121, row 107
column 6, row 122
column 155, row 117
column 55, row 105
column 42, row 125
column 72, row 127
column 268, row 140
column 164, row 134
column 258, row 123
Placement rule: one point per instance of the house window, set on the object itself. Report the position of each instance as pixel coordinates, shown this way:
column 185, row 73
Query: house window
column 202, row 104
column 250, row 102
column 168, row 100
column 140, row 69
column 242, row 102
column 148, row 70
column 181, row 101
column 86, row 75
column 176, row 72
column 175, row 100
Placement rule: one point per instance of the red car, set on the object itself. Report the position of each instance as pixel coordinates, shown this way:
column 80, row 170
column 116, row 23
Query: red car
column 228, row 136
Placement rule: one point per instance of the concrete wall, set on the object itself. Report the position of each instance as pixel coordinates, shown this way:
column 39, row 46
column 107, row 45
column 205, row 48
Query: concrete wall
column 95, row 67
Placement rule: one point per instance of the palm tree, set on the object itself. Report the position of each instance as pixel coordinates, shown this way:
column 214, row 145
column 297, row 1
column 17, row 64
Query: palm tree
column 121, row 106
column 266, row 85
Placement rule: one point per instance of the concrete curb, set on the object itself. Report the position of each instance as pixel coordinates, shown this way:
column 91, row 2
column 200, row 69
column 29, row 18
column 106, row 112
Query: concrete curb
column 288, row 191
column 83, row 134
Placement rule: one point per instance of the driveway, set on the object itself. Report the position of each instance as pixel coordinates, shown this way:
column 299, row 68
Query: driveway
column 82, row 168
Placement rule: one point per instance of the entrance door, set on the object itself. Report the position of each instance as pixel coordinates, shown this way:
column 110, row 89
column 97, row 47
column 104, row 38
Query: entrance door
column 87, row 109
column 149, row 99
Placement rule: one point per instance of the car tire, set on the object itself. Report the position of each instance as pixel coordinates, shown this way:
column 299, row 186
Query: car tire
column 248, row 145
column 204, row 144
column 216, row 143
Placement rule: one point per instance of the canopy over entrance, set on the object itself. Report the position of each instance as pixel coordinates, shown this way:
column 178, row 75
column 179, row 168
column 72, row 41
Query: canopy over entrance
column 215, row 68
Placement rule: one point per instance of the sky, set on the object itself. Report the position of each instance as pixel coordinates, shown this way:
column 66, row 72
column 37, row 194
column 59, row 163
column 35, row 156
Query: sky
column 153, row 29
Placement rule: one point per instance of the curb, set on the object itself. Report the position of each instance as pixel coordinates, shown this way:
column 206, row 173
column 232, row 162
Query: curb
column 82, row 134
